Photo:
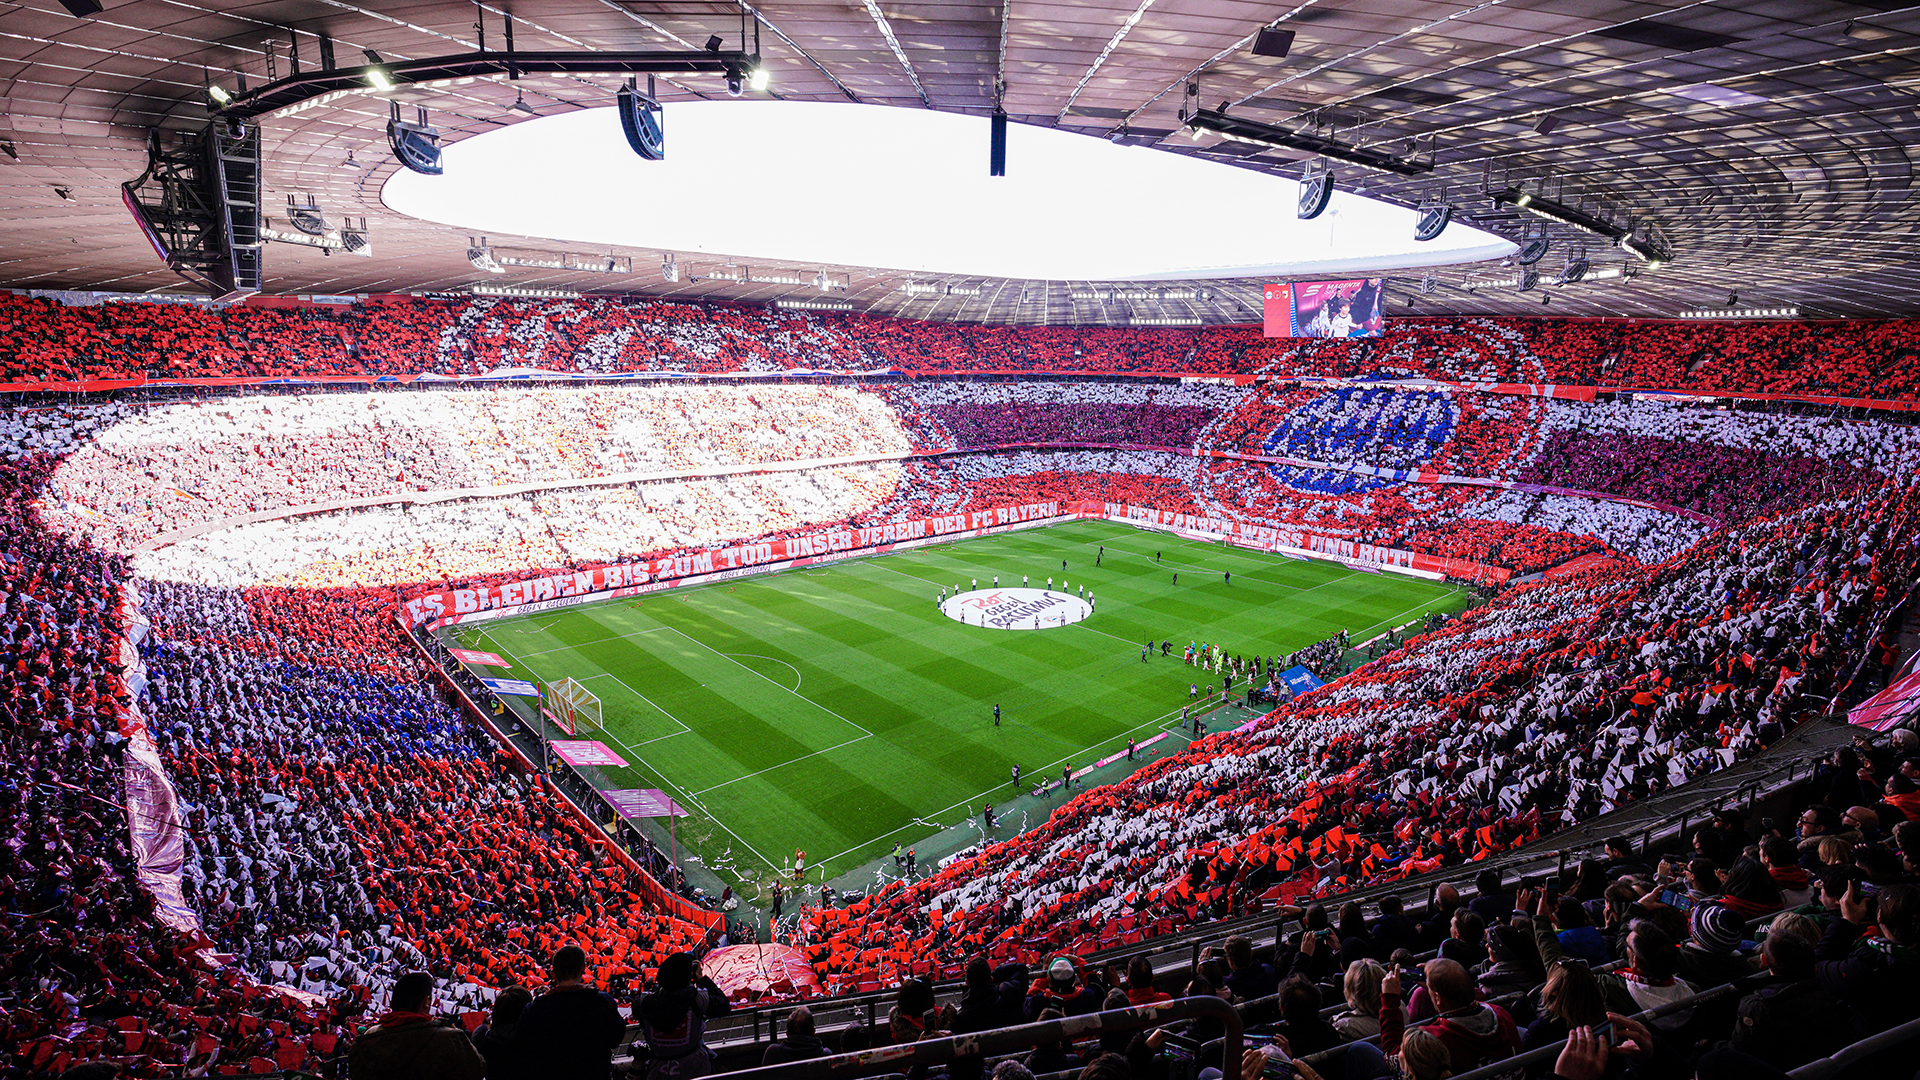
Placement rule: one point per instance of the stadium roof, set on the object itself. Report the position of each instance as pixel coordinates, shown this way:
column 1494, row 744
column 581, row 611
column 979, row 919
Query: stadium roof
column 1765, row 141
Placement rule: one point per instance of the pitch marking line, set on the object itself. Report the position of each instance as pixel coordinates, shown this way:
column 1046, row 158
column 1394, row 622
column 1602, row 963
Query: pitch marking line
column 759, row 675
column 684, row 729
column 797, row 677
column 784, row 764
column 1157, row 723
column 691, row 800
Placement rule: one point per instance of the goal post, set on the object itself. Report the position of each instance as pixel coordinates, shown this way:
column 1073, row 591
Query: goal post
column 572, row 706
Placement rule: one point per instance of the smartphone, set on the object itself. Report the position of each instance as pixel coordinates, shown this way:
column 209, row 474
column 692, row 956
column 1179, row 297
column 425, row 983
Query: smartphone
column 1323, row 934
column 1604, row 1031
column 1766, row 824
column 1676, row 898
column 1553, row 884
column 1277, row 1068
column 1181, row 1048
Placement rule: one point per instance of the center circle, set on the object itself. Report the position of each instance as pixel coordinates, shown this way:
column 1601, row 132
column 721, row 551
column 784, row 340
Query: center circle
column 1016, row 609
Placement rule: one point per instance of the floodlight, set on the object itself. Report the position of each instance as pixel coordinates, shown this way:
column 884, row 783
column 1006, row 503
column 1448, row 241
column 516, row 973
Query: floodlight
column 713, row 43
column 1432, row 222
column 415, row 144
column 1316, row 192
column 482, row 257
column 640, row 120
column 1272, row 41
column 759, row 79
column 1575, row 270
column 307, row 216
column 218, row 93
column 376, row 75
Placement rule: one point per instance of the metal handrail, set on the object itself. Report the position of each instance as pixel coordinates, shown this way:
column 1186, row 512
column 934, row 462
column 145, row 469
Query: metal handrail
column 1872, row 1044
column 927, row 1052
column 1552, row 1050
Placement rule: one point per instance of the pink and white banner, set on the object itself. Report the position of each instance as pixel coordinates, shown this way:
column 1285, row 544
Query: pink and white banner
column 628, row 578
column 582, row 752
column 472, row 656
column 643, row 803
column 1350, row 553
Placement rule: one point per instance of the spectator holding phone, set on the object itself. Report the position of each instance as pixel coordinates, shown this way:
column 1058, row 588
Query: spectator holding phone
column 1874, row 974
column 1473, row 1032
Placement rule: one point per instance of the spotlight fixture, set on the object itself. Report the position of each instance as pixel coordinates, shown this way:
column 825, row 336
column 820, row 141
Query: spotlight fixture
column 669, row 269
column 1532, row 249
column 1433, row 221
column 1651, row 249
column 1541, row 206
column 1546, row 124
column 354, row 239
column 1430, row 284
column 64, row 193
column 1733, row 298
column 713, row 43
column 1575, row 270
column 350, row 163
column 376, row 74
column 1529, row 278
column 7, row 149
column 1272, row 41
column 736, row 82
column 307, row 216
column 1316, row 191
column 1238, row 129
column 218, row 94
column 640, row 120
column 81, row 9
column 758, row 79
column 482, row 257
column 415, row 144
column 520, row 103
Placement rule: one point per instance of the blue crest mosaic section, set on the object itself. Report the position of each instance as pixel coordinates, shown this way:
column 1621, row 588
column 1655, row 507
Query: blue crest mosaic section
column 1376, row 426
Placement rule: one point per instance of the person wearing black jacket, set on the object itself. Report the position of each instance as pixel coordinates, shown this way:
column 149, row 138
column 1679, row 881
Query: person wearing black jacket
column 1789, row 1019
column 497, row 1038
column 1300, row 1020
column 801, row 1043
column 673, row 1019
column 1874, row 976
column 994, row 998
column 569, row 1032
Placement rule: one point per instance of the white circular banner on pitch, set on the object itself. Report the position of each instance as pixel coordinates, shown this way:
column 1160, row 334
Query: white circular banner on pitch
column 1016, row 609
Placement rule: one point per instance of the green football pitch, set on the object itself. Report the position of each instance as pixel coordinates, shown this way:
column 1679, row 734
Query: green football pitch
column 835, row 709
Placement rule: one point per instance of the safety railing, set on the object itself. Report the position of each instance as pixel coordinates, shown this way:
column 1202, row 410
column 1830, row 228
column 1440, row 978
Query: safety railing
column 1000, row 1041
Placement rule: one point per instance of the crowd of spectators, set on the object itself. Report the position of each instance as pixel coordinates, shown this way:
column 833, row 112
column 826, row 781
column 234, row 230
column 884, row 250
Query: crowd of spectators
column 135, row 472
column 1560, row 701
column 168, row 466
column 342, row 821
column 43, row 339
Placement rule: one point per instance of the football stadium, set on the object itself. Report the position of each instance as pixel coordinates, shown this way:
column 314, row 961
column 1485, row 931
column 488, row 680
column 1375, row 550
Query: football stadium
column 1088, row 541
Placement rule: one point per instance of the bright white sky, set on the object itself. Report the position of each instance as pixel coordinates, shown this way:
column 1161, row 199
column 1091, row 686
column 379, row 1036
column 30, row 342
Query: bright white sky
column 907, row 189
